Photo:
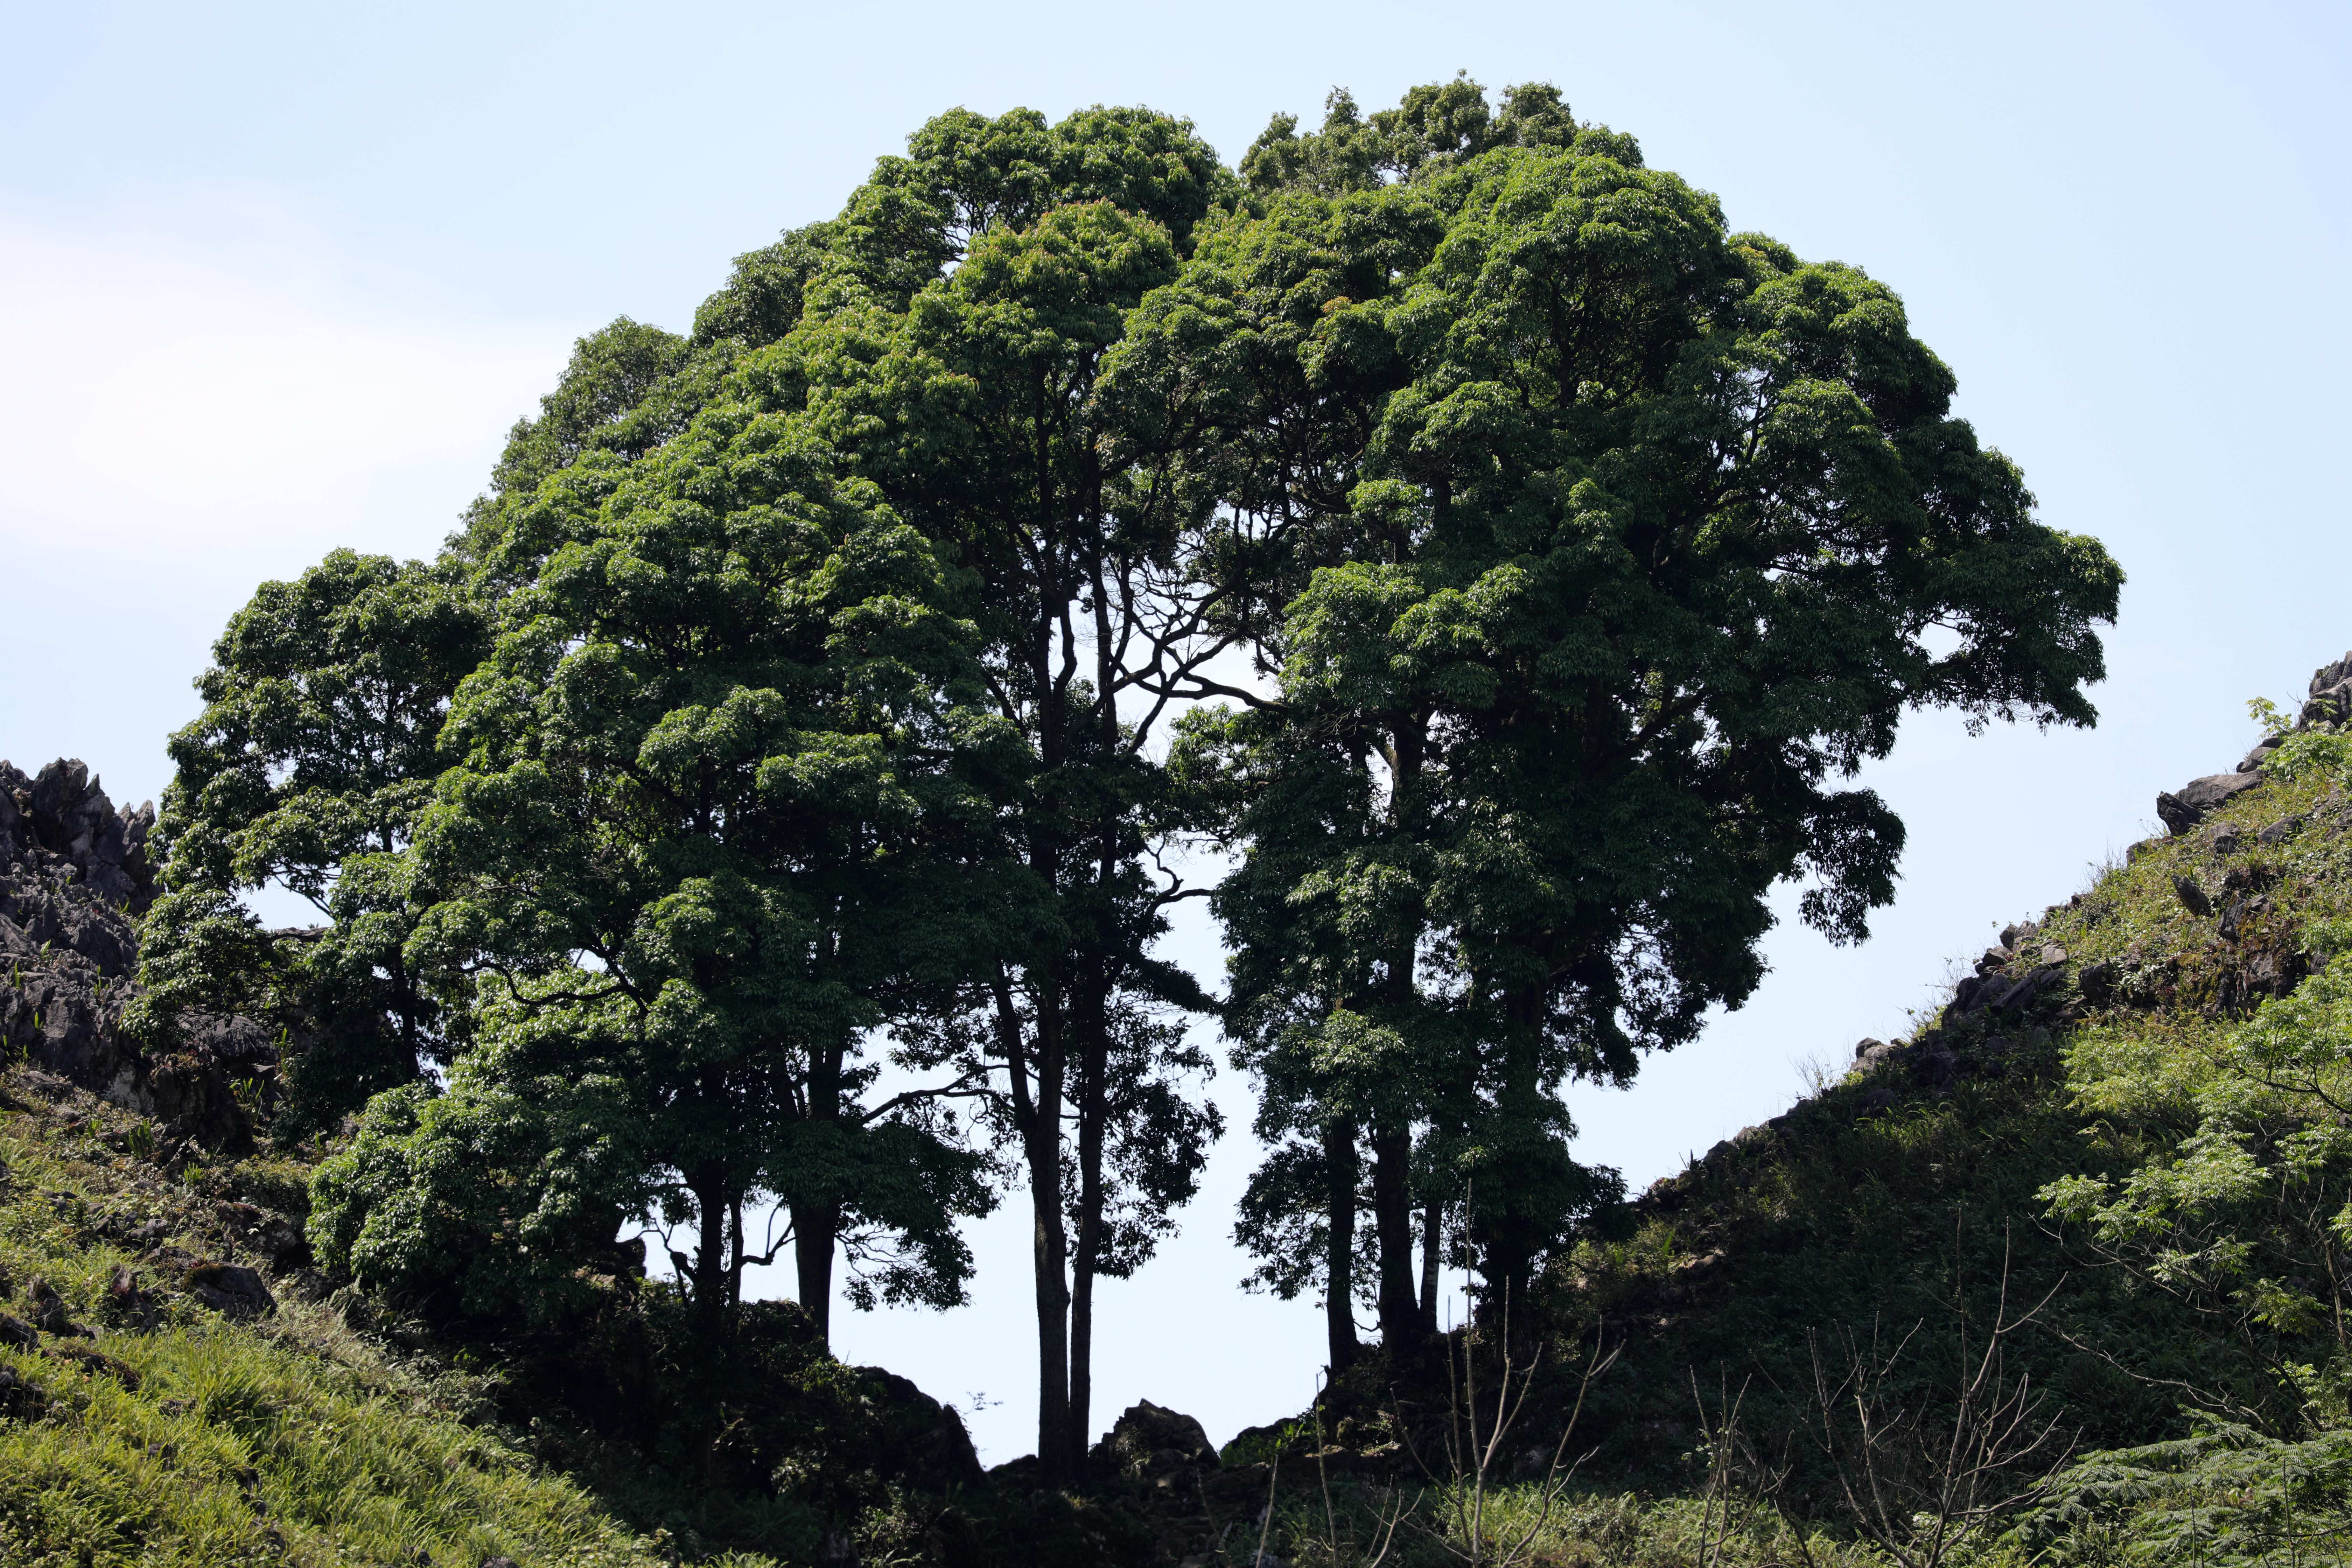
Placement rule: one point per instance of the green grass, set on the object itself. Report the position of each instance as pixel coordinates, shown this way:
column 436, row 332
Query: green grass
column 198, row 1441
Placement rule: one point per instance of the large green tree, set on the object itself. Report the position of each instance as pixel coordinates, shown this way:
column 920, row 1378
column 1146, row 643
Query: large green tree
column 692, row 846
column 952, row 353
column 307, row 771
column 1659, row 533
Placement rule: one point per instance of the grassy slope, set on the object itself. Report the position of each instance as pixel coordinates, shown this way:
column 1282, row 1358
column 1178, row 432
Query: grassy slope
column 1906, row 1200
column 1885, row 1202
column 199, row 1441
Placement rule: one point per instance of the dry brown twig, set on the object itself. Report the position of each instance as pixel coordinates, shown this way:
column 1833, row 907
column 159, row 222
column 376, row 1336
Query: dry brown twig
column 1921, row 1489
column 1474, row 1453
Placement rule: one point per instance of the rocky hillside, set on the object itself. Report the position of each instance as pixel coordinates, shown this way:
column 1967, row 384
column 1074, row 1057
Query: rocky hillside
column 74, row 879
column 2072, row 1163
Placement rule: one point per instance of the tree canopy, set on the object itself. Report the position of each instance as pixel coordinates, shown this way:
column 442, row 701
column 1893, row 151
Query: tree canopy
column 775, row 790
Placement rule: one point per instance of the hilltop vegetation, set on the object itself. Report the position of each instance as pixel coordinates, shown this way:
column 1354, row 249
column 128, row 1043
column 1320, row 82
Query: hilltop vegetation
column 768, row 805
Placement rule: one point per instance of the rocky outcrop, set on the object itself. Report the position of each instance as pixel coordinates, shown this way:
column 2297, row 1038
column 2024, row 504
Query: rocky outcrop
column 1149, row 1441
column 2329, row 705
column 2198, row 798
column 2330, row 700
column 74, row 879
column 60, row 827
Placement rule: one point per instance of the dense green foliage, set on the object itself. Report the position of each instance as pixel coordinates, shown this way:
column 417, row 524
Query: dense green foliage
column 1648, row 531
column 307, row 769
column 773, row 798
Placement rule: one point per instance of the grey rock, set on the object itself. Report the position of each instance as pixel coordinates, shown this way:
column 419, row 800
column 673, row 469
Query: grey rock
column 2227, row 839
column 1863, row 1048
column 309, row 1285
column 1880, row 1054
column 1150, row 1439
column 2330, row 695
column 2052, row 953
column 2332, row 706
column 2097, row 983
column 21, row 1399
column 2192, row 897
column 2021, row 995
column 2198, row 797
column 2279, row 832
column 2260, row 754
column 74, row 876
column 231, row 1290
column 1970, row 994
column 48, row 1307
column 2328, row 675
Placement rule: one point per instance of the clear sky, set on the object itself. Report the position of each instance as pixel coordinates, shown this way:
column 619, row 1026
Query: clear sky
column 276, row 279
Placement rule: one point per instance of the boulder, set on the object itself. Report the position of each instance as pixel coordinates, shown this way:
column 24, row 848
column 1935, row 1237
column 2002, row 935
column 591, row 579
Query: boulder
column 21, row 1399
column 2192, row 897
column 48, row 1310
column 2279, row 832
column 1970, row 994
column 1150, row 1440
column 1877, row 1053
column 2198, row 799
column 2332, row 705
column 2021, row 995
column 231, row 1290
column 2331, row 675
column 919, row 1441
column 2254, row 759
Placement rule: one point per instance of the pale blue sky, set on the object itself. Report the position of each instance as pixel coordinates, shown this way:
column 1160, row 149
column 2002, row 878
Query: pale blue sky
column 274, row 279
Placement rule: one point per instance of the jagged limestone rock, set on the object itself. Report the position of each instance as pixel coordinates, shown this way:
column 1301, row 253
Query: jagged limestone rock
column 74, row 879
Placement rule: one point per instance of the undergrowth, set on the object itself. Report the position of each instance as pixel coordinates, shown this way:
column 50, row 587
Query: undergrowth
column 172, row 1436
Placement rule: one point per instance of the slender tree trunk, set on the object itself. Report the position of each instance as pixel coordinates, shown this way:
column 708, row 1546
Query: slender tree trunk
column 1511, row 1244
column 1393, row 1220
column 713, row 1203
column 1339, row 1260
column 1050, row 1243
column 1400, row 1318
column 1092, row 1032
column 816, row 1214
column 1432, row 1219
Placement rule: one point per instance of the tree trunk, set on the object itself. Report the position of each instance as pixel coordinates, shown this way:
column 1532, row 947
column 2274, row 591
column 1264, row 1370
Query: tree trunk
column 1049, row 1242
column 816, row 1216
column 1432, row 1219
column 1392, row 1222
column 815, row 1223
column 713, row 1202
column 1340, row 1261
column 1400, row 1318
column 1093, row 1032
